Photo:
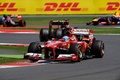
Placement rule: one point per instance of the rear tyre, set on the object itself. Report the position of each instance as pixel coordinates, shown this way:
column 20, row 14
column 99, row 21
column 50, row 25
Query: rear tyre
column 76, row 49
column 44, row 35
column 109, row 21
column 22, row 23
column 58, row 34
column 97, row 49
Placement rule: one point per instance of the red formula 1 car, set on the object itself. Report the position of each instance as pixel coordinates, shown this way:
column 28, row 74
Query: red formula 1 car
column 76, row 45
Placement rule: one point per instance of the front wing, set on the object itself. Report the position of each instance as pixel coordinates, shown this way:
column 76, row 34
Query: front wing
column 61, row 57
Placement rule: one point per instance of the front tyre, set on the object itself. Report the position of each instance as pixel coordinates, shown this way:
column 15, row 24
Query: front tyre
column 34, row 47
column 22, row 23
column 76, row 49
column 88, row 23
column 97, row 49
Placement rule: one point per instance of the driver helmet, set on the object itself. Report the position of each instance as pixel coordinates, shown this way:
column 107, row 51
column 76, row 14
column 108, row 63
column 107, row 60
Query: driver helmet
column 65, row 38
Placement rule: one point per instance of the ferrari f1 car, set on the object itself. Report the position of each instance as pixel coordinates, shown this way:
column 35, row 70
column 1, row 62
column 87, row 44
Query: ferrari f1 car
column 12, row 21
column 109, row 20
column 76, row 45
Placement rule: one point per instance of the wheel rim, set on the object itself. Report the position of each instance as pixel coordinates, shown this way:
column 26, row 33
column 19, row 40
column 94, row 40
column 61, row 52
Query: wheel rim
column 102, row 50
column 80, row 55
column 38, row 48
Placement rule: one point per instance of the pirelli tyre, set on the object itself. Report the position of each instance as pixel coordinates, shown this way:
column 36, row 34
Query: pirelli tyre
column 95, row 23
column 34, row 47
column 76, row 49
column 97, row 48
column 58, row 34
column 109, row 22
column 88, row 23
column 44, row 35
column 6, row 24
column 22, row 23
column 1, row 22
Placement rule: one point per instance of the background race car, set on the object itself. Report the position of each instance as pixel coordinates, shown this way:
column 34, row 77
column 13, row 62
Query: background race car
column 109, row 20
column 12, row 21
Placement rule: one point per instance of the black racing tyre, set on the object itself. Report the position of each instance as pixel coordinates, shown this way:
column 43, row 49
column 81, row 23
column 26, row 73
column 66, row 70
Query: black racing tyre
column 5, row 23
column 44, row 35
column 1, row 22
column 95, row 23
column 76, row 49
column 88, row 23
column 58, row 34
column 22, row 23
column 97, row 49
column 109, row 21
column 34, row 47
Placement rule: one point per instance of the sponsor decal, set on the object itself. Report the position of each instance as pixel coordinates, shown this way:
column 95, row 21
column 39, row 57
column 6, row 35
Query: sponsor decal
column 113, row 6
column 63, row 6
column 10, row 7
column 59, row 7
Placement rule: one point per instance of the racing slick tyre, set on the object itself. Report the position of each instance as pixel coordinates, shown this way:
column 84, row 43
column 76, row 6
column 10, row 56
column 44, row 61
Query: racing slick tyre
column 58, row 34
column 97, row 49
column 34, row 47
column 108, row 21
column 1, row 22
column 76, row 49
column 95, row 23
column 88, row 23
column 22, row 23
column 44, row 35
column 5, row 23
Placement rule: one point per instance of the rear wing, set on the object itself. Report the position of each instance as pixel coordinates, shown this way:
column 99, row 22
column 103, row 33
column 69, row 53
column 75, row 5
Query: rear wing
column 82, row 31
column 56, row 22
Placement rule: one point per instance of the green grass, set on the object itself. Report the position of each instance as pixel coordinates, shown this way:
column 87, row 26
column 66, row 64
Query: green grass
column 6, row 58
column 45, row 20
column 20, row 49
column 106, row 30
column 12, row 55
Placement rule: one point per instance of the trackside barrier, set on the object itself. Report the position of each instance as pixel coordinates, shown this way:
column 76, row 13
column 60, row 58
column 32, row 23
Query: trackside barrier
column 59, row 6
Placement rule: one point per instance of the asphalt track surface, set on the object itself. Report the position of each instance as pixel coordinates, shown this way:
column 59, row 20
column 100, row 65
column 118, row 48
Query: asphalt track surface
column 106, row 68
